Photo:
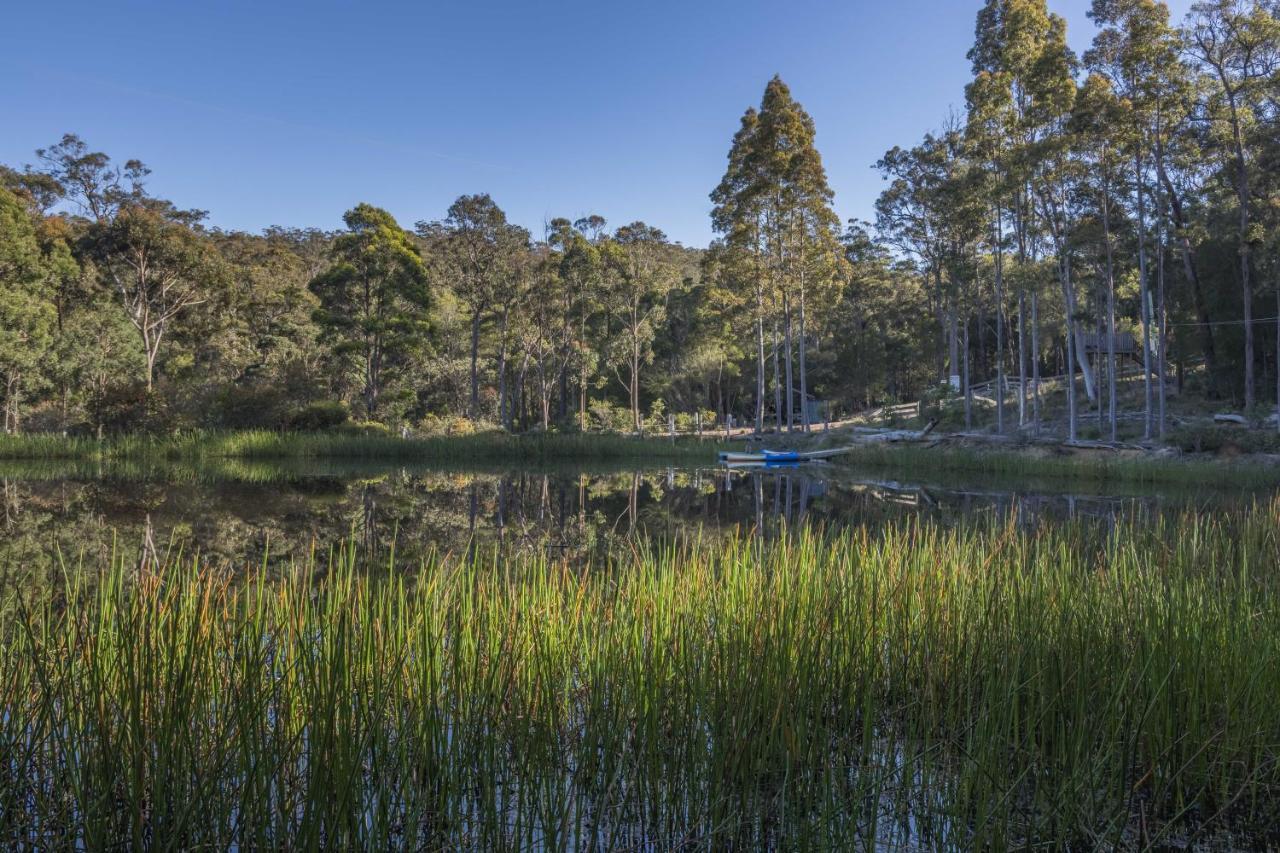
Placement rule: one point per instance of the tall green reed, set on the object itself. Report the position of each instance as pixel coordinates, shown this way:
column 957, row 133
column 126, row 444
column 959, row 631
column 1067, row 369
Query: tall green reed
column 914, row 685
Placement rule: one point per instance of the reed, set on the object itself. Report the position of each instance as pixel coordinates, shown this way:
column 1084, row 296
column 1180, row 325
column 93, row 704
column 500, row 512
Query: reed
column 1097, row 468
column 266, row 444
column 916, row 686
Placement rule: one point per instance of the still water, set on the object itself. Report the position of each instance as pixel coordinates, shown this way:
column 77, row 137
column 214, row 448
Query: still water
column 247, row 514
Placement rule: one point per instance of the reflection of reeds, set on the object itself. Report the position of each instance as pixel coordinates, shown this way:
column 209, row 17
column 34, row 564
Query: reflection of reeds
column 267, row 445
column 964, row 689
column 1096, row 467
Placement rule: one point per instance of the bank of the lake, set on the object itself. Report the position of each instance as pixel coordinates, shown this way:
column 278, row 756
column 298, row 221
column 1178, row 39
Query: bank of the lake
column 271, row 445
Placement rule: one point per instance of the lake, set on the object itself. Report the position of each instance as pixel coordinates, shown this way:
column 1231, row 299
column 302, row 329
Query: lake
column 1039, row 662
column 243, row 513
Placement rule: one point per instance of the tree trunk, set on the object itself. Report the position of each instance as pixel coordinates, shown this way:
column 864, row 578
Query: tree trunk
column 789, row 397
column 804, row 372
column 968, row 391
column 1143, row 295
column 1208, row 344
column 473, row 407
column 1022, row 358
column 504, row 417
column 1069, row 309
column 999, row 322
column 1035, row 361
column 1111, row 312
column 760, row 368
column 777, row 379
column 635, row 384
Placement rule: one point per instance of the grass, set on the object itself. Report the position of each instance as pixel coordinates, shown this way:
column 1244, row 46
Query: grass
column 976, row 688
column 1094, row 467
column 265, row 444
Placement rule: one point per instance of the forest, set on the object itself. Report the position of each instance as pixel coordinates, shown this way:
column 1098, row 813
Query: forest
column 1111, row 218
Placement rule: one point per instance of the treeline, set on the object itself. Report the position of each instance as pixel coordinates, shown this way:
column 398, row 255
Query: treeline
column 1119, row 207
column 1082, row 214
column 122, row 313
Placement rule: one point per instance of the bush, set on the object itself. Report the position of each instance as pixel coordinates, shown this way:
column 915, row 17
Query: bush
column 608, row 417
column 316, row 417
column 248, row 407
column 131, row 409
column 1224, row 439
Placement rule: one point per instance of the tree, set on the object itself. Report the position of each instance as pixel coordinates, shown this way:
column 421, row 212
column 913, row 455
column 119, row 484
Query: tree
column 479, row 247
column 27, row 315
column 774, row 203
column 1097, row 118
column 1237, row 43
column 374, row 297
column 158, row 266
column 642, row 275
column 1139, row 54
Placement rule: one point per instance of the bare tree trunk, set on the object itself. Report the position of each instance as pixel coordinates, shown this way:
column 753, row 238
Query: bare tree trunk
column 760, row 369
column 1144, row 295
column 804, row 371
column 1069, row 306
column 777, row 379
column 473, row 407
column 968, row 391
column 1208, row 344
column 999, row 321
column 1111, row 311
column 1035, row 360
column 503, row 416
column 1022, row 358
column 789, row 397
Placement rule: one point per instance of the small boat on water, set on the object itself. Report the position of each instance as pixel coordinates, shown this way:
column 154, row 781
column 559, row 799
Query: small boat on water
column 779, row 457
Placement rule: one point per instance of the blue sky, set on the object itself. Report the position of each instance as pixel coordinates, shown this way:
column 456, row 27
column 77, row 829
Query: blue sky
column 289, row 113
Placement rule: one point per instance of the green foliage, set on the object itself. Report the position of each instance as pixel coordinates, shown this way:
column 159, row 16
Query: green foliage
column 374, row 299
column 319, row 416
column 1226, row 440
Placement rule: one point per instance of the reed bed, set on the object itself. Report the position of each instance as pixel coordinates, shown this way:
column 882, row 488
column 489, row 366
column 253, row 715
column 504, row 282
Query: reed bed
column 987, row 687
column 1097, row 468
column 269, row 445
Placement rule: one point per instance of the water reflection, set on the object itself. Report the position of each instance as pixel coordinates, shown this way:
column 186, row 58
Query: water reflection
column 276, row 514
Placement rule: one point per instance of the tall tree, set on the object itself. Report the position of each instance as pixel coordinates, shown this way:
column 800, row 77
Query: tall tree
column 374, row 297
column 774, row 204
column 28, row 275
column 642, row 274
column 1237, row 43
column 479, row 248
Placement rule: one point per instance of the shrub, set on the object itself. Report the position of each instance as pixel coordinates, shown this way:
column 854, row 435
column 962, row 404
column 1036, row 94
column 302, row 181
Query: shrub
column 315, row 417
column 1217, row 438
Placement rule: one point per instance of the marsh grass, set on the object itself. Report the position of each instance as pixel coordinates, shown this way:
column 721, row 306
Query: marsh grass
column 268, row 445
column 1096, row 468
column 975, row 688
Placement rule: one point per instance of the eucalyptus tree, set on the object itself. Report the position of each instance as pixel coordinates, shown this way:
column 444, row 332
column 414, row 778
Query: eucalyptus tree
column 738, row 215
column 1236, row 43
column 1020, row 109
column 374, row 298
column 29, row 271
column 774, row 205
column 478, row 246
column 1099, row 125
column 1012, row 42
column 642, row 273
column 580, row 269
column 150, row 253
column 1139, row 53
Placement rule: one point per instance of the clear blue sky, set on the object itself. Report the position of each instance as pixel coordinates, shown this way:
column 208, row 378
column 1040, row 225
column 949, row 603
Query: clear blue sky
column 289, row 113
